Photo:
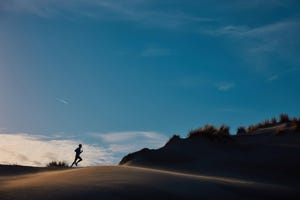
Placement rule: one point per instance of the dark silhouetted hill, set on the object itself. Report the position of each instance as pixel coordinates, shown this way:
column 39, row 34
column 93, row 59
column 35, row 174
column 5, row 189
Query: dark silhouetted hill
column 270, row 153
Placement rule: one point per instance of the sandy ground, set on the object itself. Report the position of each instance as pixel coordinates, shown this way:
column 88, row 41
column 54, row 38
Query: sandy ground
column 123, row 182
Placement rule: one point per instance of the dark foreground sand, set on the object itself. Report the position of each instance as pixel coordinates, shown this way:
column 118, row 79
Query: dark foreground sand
column 122, row 182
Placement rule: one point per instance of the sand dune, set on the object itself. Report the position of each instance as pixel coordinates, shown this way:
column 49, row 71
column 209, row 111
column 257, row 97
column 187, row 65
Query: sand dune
column 123, row 182
column 264, row 157
column 261, row 166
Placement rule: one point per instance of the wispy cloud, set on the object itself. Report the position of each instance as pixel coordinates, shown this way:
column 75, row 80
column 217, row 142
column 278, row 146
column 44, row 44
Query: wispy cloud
column 108, row 148
column 44, row 8
column 62, row 101
column 225, row 86
column 255, row 4
column 276, row 29
column 272, row 78
column 143, row 12
column 230, row 30
column 37, row 150
column 199, row 82
column 122, row 143
column 128, row 136
column 262, row 45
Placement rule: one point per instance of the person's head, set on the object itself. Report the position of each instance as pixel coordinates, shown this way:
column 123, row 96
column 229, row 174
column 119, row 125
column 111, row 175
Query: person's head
column 80, row 145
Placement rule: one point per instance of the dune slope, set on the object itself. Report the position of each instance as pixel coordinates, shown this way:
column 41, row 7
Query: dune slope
column 122, row 182
column 264, row 157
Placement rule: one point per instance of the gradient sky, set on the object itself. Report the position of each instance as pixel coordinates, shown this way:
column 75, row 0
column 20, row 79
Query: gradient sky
column 122, row 75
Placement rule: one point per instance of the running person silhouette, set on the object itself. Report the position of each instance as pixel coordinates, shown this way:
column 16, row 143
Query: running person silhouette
column 77, row 156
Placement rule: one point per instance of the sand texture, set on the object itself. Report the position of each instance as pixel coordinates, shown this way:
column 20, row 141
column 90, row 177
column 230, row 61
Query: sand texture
column 123, row 182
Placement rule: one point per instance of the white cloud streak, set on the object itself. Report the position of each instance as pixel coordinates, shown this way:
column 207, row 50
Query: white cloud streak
column 272, row 78
column 225, row 86
column 255, row 4
column 37, row 150
column 122, row 143
column 130, row 10
column 129, row 136
column 264, row 33
column 62, row 101
column 261, row 46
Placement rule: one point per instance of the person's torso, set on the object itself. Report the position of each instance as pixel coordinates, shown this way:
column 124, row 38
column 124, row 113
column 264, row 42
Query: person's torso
column 78, row 151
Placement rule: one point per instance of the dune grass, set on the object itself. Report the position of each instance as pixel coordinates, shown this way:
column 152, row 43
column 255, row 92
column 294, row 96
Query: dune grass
column 57, row 164
column 282, row 119
column 211, row 132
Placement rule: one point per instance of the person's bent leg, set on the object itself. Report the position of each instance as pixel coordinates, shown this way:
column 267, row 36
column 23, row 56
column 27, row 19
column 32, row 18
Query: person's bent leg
column 74, row 162
column 79, row 160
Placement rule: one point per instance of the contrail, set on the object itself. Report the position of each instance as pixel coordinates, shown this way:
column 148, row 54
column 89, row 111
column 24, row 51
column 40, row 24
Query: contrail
column 62, row 101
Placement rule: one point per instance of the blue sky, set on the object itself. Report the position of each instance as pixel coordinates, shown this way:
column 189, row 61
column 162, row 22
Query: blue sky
column 122, row 75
